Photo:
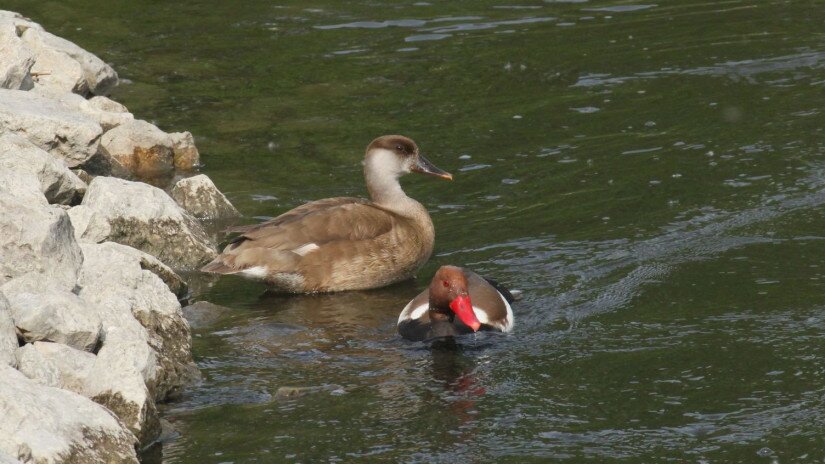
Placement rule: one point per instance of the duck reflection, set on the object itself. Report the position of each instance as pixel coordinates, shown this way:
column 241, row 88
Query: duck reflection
column 456, row 370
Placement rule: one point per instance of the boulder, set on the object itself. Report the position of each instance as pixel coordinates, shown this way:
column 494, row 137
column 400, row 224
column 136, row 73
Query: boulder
column 38, row 239
column 108, row 113
column 88, row 225
column 148, row 219
column 16, row 59
column 203, row 314
column 42, row 310
column 21, row 160
column 186, row 154
column 199, row 196
column 6, row 458
column 53, row 125
column 96, row 77
column 146, row 351
column 20, row 22
column 140, row 148
column 50, row 425
column 55, row 365
column 8, row 336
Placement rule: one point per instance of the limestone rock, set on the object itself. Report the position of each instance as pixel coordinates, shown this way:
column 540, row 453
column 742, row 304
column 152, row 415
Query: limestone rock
column 20, row 22
column 199, row 196
column 16, row 59
column 96, row 77
column 8, row 336
column 186, row 153
column 37, row 239
column 146, row 218
column 52, row 125
column 49, row 425
column 203, row 314
column 55, row 365
column 41, row 310
column 108, row 113
column 20, row 160
column 88, row 225
column 140, row 148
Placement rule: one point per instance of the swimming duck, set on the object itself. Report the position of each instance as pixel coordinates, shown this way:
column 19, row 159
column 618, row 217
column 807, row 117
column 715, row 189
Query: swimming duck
column 342, row 243
column 479, row 304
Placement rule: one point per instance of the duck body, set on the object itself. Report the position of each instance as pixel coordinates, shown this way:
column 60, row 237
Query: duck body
column 457, row 302
column 342, row 243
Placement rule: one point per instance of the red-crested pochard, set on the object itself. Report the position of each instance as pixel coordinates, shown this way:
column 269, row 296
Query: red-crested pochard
column 342, row 243
column 477, row 303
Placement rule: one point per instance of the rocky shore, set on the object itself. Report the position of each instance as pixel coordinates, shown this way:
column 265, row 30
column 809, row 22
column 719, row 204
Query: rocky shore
column 91, row 329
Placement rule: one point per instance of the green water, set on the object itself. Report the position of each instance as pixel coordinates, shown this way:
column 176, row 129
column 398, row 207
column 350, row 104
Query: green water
column 650, row 175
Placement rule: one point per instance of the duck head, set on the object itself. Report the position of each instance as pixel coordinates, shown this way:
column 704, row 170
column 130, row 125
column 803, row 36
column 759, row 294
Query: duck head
column 448, row 292
column 393, row 156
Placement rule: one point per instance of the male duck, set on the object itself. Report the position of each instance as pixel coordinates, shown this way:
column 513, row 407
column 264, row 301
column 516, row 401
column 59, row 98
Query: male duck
column 479, row 304
column 342, row 243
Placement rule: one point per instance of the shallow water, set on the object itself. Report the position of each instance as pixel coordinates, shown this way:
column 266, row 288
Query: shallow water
column 650, row 175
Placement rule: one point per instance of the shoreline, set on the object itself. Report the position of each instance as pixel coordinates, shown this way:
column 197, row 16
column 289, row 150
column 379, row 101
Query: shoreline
column 92, row 334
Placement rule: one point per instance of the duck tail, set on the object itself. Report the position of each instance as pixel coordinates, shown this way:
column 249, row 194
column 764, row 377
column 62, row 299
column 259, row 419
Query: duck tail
column 217, row 266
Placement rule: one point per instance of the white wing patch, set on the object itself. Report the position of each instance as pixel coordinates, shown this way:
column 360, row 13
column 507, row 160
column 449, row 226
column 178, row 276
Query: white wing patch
column 506, row 325
column 305, row 249
column 410, row 313
column 257, row 272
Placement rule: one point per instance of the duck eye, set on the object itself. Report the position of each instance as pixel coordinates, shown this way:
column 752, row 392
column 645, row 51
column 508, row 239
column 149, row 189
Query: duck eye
column 446, row 284
column 399, row 148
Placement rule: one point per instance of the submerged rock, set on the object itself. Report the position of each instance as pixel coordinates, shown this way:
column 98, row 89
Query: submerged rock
column 38, row 239
column 21, row 162
column 50, row 425
column 146, row 218
column 203, row 314
column 199, row 196
column 54, row 126
column 42, row 310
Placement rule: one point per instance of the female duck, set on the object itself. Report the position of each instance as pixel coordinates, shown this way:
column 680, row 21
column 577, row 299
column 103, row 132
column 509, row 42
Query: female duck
column 342, row 243
column 477, row 303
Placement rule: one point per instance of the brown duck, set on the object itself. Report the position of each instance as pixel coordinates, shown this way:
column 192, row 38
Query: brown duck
column 342, row 243
column 457, row 302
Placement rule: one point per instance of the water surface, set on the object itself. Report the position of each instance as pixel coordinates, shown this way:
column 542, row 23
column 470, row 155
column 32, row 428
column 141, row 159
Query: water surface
column 650, row 175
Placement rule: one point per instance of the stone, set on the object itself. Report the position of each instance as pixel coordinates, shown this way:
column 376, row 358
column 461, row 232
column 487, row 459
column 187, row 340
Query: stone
column 42, row 310
column 97, row 77
column 199, row 196
column 55, row 73
column 38, row 239
column 6, row 458
column 148, row 219
column 88, row 225
column 20, row 22
column 140, row 148
column 49, row 425
column 21, row 159
column 204, row 314
column 8, row 336
column 16, row 59
column 55, row 365
column 108, row 113
column 186, row 154
column 146, row 351
column 51, row 124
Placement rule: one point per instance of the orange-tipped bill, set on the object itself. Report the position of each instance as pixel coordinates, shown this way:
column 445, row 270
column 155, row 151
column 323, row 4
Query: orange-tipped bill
column 463, row 308
column 424, row 166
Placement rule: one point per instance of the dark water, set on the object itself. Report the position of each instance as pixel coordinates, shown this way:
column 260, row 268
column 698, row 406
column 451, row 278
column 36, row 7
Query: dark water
column 650, row 175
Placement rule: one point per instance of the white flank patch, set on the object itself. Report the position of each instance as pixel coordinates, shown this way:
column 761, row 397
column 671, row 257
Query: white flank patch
column 409, row 314
column 504, row 326
column 305, row 249
column 257, row 272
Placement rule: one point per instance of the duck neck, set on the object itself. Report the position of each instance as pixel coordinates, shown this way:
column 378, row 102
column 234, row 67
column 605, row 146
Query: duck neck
column 385, row 190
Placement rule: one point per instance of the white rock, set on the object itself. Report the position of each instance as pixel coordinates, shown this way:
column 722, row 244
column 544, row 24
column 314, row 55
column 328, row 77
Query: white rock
column 146, row 350
column 6, row 458
column 108, row 113
column 97, row 77
column 16, row 59
column 42, row 310
column 37, row 239
column 55, row 365
column 21, row 22
column 140, row 148
column 55, row 73
column 199, row 196
column 21, row 160
column 48, row 425
column 8, row 336
column 52, row 125
column 148, row 219
column 88, row 225
column 186, row 153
